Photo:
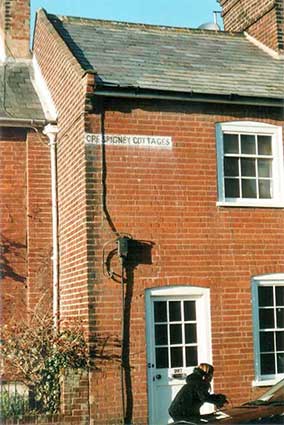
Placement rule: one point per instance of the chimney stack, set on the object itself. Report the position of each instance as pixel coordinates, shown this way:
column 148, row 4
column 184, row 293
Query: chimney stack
column 15, row 28
column 262, row 19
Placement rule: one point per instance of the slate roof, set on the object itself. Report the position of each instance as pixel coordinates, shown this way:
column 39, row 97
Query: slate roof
column 168, row 58
column 18, row 98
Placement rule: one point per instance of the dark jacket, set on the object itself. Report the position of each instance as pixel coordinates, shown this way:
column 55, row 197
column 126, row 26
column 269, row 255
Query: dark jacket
column 192, row 395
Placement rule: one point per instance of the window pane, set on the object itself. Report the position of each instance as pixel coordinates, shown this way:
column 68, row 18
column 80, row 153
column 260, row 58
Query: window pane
column 264, row 188
column 267, row 364
column 191, row 356
column 190, row 333
column 162, row 358
column 248, row 167
column 265, row 296
column 189, row 310
column 264, row 167
column 264, row 145
column 176, row 357
column 266, row 341
column 248, row 144
column 231, row 144
column 280, row 341
column 280, row 362
column 248, row 188
column 280, row 317
column 175, row 334
column 174, row 308
column 231, row 166
column 161, row 335
column 279, row 290
column 266, row 318
column 232, row 189
column 160, row 311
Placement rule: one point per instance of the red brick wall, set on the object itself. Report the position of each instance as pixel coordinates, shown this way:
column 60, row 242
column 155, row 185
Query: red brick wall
column 25, row 222
column 68, row 86
column 39, row 221
column 263, row 19
column 13, row 223
column 15, row 27
column 265, row 30
column 169, row 197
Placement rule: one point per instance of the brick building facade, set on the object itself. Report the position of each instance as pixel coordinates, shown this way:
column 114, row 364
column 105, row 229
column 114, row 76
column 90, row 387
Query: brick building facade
column 170, row 146
column 142, row 157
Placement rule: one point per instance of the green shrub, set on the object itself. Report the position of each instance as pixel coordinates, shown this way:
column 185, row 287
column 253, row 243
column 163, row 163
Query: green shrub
column 35, row 354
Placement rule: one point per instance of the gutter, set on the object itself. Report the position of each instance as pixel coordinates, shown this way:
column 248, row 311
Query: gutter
column 23, row 122
column 139, row 93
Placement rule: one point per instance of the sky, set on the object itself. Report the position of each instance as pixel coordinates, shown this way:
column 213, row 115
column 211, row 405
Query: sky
column 179, row 13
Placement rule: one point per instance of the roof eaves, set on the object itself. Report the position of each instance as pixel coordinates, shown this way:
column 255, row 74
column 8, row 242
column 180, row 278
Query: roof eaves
column 190, row 96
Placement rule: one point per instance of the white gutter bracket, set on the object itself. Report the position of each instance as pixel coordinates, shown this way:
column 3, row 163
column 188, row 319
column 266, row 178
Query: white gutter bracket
column 51, row 132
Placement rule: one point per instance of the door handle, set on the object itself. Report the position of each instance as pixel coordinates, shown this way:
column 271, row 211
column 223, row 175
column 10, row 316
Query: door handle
column 158, row 376
column 179, row 375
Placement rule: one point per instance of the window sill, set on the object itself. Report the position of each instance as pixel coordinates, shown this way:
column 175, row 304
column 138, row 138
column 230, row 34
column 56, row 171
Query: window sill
column 265, row 383
column 249, row 204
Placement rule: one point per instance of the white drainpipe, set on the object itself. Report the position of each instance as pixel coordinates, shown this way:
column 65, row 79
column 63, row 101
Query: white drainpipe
column 51, row 132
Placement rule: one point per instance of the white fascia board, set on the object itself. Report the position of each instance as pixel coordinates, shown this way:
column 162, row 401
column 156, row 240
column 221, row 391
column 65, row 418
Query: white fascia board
column 43, row 92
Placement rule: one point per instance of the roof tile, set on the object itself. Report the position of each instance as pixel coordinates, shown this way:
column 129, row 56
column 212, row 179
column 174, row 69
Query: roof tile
column 18, row 97
column 167, row 58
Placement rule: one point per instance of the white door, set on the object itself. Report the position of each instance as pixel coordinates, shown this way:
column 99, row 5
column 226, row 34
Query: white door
column 178, row 339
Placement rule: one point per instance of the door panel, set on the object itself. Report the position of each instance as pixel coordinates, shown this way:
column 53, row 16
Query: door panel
column 177, row 340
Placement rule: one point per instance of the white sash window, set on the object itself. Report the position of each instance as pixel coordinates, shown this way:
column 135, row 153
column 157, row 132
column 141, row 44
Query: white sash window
column 268, row 327
column 250, row 164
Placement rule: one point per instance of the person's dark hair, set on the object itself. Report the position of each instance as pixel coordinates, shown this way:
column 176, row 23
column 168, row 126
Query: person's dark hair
column 207, row 368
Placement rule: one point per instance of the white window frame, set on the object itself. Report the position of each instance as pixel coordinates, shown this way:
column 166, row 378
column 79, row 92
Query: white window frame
column 276, row 279
column 250, row 127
